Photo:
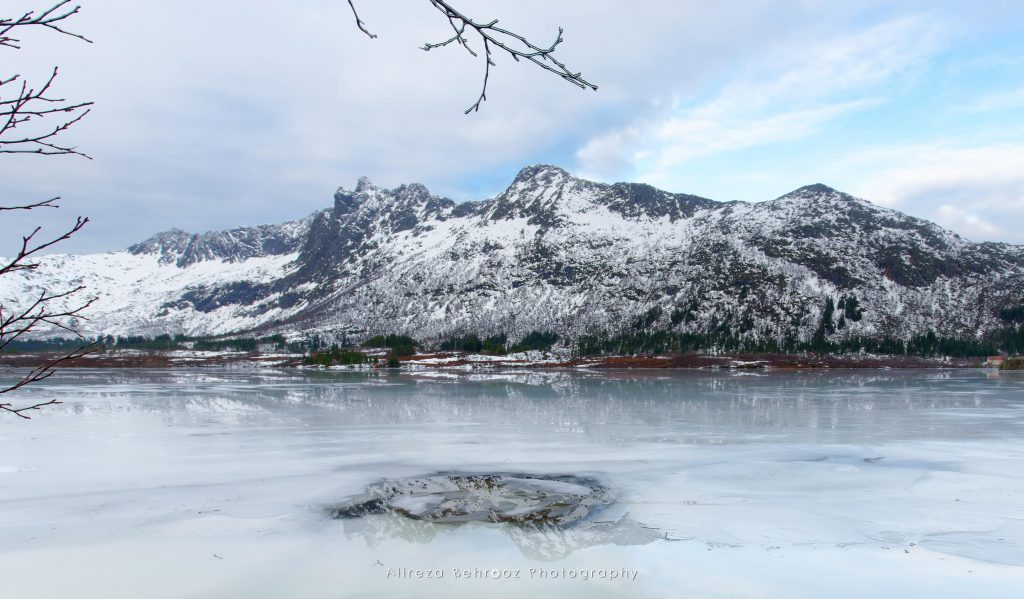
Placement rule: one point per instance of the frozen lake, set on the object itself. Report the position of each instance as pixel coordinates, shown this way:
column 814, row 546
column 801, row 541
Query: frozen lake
column 215, row 483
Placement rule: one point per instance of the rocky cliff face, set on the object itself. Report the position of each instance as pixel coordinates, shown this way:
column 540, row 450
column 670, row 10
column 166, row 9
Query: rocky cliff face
column 553, row 252
column 235, row 245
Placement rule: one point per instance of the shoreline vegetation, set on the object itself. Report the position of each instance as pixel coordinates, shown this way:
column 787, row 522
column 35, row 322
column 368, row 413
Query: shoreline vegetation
column 536, row 350
column 460, row 360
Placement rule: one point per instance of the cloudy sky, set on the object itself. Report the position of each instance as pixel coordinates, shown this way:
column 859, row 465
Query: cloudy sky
column 218, row 114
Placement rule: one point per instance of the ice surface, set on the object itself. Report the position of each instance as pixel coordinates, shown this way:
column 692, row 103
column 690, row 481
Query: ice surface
column 211, row 483
column 519, row 498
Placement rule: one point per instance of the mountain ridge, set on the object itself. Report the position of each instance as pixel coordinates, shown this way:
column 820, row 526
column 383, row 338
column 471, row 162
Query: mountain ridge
column 555, row 252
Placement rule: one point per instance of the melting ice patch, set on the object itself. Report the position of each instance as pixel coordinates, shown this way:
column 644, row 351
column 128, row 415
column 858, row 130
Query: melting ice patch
column 546, row 516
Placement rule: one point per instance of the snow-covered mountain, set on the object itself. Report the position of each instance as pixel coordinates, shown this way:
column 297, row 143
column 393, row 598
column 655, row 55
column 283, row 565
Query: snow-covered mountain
column 558, row 253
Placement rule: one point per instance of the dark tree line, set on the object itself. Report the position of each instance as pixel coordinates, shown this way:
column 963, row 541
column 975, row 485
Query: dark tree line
column 665, row 342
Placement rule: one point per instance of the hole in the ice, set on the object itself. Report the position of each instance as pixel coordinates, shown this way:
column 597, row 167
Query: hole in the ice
column 547, row 516
column 513, row 498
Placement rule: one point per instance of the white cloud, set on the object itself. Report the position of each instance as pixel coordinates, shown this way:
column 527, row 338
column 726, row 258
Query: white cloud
column 969, row 224
column 698, row 135
column 784, row 95
column 218, row 114
column 977, row 191
column 999, row 101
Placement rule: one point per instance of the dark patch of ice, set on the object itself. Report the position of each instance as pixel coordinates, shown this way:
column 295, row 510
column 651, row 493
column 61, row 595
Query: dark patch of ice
column 547, row 516
column 508, row 497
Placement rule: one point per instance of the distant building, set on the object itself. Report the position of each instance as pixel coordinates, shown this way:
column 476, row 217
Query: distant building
column 995, row 360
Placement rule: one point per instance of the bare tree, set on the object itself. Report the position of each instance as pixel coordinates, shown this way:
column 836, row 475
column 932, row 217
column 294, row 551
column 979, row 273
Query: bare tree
column 31, row 120
column 494, row 38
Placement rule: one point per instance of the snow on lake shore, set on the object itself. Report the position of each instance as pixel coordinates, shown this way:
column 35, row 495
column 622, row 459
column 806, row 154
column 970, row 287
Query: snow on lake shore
column 214, row 483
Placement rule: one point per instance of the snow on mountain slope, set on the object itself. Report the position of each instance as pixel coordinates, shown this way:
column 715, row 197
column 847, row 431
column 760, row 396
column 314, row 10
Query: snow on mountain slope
column 553, row 252
column 139, row 294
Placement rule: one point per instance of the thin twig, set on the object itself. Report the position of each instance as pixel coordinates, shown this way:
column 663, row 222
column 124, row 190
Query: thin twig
column 48, row 19
column 492, row 36
column 26, row 106
column 28, row 249
column 20, row 322
column 488, row 33
column 359, row 22
column 40, row 373
column 44, row 204
column 20, row 113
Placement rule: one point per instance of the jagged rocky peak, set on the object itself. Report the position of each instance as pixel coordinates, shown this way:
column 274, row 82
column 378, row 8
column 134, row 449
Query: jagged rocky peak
column 413, row 193
column 543, row 193
column 363, row 212
column 549, row 189
column 172, row 242
column 402, row 261
column 233, row 245
column 364, row 184
column 366, row 193
column 640, row 199
column 348, row 201
column 363, row 187
column 345, row 201
column 544, row 174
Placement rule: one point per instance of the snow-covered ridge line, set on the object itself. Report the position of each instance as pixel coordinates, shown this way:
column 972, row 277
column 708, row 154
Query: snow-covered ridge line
column 554, row 252
column 234, row 245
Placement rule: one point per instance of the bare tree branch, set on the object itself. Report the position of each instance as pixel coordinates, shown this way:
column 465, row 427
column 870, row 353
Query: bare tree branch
column 31, row 120
column 49, row 19
column 27, row 319
column 28, row 106
column 44, row 204
column 28, row 248
column 493, row 37
column 41, row 373
column 359, row 22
